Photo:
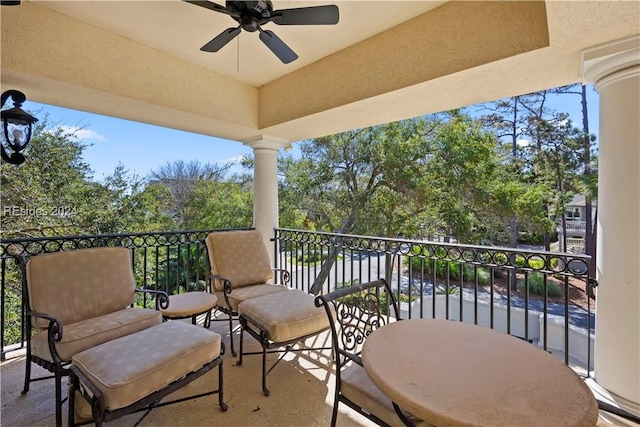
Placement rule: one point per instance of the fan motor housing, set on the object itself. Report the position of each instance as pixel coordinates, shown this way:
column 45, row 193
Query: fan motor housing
column 252, row 14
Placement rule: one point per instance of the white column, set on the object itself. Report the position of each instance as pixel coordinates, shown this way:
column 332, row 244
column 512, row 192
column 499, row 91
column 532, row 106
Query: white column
column 615, row 70
column 265, row 187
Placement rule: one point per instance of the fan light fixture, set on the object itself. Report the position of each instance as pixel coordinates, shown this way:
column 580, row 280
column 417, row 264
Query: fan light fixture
column 17, row 126
column 252, row 15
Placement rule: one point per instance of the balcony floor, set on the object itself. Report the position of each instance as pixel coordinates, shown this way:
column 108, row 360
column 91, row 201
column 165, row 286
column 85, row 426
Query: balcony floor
column 301, row 394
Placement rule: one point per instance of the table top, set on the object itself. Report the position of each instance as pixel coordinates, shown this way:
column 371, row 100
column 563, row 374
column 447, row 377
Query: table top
column 455, row 374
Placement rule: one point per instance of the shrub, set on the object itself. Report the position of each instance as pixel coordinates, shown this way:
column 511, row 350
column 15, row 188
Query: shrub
column 484, row 276
column 311, row 257
column 536, row 286
column 443, row 290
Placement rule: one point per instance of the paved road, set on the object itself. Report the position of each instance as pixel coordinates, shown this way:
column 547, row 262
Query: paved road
column 371, row 266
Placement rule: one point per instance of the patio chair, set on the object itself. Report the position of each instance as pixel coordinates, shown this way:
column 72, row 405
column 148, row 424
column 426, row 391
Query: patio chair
column 77, row 300
column 354, row 313
column 240, row 269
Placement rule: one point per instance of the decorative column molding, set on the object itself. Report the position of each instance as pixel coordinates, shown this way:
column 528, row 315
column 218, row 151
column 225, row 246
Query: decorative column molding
column 266, row 142
column 265, row 187
column 600, row 63
column 615, row 69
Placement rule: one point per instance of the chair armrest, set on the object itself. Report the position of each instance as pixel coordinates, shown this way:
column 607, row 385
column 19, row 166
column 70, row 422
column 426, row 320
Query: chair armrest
column 228, row 287
column 285, row 276
column 162, row 298
column 54, row 332
column 54, row 328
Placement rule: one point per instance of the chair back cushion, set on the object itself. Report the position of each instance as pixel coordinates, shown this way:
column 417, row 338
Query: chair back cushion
column 80, row 284
column 239, row 256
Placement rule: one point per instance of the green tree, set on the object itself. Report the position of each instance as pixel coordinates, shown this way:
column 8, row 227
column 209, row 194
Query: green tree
column 340, row 179
column 588, row 176
column 509, row 118
column 556, row 160
column 53, row 192
column 42, row 195
column 219, row 205
column 180, row 179
column 462, row 164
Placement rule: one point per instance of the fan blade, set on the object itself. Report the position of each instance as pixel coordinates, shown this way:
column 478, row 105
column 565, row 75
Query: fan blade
column 315, row 15
column 277, row 46
column 221, row 40
column 211, row 6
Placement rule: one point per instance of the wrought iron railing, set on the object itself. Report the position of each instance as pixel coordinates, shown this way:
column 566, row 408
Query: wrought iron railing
column 575, row 224
column 490, row 286
column 170, row 261
column 526, row 293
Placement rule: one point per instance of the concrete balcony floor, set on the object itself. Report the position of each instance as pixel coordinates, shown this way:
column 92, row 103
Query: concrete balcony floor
column 301, row 387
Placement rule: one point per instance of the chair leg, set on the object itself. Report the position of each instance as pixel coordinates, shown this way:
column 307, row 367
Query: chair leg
column 239, row 362
column 58, row 381
column 27, row 373
column 336, row 402
column 207, row 320
column 233, row 350
column 223, row 405
column 71, row 420
column 265, row 390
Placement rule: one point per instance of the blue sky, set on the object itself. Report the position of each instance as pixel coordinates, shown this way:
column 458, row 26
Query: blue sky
column 143, row 148
column 139, row 146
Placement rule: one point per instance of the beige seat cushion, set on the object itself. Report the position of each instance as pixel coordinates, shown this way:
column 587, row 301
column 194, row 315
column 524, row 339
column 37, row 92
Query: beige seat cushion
column 190, row 303
column 79, row 336
column 358, row 388
column 285, row 316
column 239, row 256
column 239, row 295
column 132, row 367
column 80, row 284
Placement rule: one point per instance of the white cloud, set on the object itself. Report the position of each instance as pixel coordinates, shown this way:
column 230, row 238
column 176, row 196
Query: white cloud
column 523, row 142
column 81, row 133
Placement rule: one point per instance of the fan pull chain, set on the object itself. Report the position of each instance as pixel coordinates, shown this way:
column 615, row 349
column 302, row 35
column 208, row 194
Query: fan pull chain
column 238, row 57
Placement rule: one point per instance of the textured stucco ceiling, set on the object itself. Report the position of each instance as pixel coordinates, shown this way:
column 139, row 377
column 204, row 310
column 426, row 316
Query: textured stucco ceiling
column 384, row 61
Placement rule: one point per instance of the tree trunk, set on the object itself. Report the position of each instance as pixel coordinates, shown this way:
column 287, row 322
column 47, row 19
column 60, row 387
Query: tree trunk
column 513, row 224
column 328, row 263
column 547, row 237
column 589, row 232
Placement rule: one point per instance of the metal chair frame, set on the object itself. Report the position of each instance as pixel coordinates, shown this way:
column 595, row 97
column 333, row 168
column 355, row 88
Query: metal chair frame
column 358, row 312
column 58, row 367
column 267, row 344
column 101, row 414
column 226, row 307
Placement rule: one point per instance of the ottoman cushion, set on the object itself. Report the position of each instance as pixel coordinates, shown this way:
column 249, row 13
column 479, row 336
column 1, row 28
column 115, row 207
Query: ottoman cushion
column 188, row 304
column 130, row 368
column 285, row 316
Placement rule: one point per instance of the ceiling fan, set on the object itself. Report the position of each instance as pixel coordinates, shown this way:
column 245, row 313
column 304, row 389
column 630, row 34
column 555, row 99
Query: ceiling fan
column 251, row 15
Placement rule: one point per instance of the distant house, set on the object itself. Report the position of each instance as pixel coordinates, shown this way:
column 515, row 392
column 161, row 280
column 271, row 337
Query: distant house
column 575, row 217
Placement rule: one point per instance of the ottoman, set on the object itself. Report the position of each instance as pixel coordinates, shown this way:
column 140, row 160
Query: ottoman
column 280, row 319
column 136, row 371
column 190, row 304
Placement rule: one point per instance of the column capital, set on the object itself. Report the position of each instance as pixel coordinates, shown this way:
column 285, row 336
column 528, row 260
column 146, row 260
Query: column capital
column 266, row 142
column 605, row 59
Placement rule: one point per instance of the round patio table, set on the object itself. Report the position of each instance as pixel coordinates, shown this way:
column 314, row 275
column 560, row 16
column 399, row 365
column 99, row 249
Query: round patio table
column 450, row 373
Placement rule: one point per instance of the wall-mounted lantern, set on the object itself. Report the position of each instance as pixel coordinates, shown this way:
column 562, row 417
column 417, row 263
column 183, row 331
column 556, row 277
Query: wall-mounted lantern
column 17, row 127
